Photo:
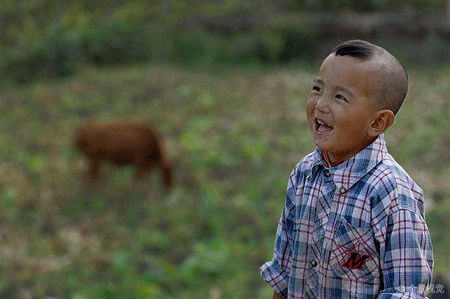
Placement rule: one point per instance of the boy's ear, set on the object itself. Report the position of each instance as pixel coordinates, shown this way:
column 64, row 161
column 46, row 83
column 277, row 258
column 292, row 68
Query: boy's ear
column 383, row 119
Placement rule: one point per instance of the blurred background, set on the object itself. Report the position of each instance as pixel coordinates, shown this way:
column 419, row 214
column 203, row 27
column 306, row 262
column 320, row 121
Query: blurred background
column 225, row 83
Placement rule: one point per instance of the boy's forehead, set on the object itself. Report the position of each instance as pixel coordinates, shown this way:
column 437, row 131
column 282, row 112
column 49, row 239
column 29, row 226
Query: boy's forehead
column 348, row 66
column 350, row 62
column 349, row 72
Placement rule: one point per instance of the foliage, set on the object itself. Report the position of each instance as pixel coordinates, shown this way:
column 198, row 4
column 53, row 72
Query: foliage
column 431, row 6
column 61, row 52
column 233, row 135
column 50, row 39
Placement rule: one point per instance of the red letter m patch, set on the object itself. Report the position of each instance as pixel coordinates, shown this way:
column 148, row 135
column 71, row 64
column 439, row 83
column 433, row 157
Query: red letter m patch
column 355, row 260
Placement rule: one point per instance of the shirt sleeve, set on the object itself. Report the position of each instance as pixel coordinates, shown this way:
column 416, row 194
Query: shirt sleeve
column 276, row 271
column 408, row 256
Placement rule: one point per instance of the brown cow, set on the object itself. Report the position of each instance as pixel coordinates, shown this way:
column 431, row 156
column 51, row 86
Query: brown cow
column 122, row 144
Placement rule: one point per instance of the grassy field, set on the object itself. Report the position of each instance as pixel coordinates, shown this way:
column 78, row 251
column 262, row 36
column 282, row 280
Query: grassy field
column 233, row 136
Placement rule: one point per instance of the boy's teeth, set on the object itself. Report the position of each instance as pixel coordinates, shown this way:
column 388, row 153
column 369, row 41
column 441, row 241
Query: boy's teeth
column 322, row 123
column 323, row 127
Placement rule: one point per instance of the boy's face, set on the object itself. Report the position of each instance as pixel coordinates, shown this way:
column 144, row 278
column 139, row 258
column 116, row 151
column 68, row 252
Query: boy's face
column 340, row 108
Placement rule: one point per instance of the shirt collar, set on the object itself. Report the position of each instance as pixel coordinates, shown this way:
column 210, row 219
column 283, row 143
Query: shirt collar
column 352, row 170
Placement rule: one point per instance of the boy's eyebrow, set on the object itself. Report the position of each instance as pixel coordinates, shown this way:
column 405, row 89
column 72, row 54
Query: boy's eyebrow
column 318, row 81
column 342, row 88
column 345, row 89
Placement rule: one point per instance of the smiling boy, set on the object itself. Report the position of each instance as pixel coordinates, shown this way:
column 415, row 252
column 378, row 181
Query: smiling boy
column 353, row 224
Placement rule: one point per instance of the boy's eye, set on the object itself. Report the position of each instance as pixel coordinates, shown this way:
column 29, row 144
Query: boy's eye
column 317, row 88
column 340, row 97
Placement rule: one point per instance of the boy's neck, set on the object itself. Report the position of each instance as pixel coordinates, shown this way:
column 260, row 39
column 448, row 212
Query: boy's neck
column 328, row 161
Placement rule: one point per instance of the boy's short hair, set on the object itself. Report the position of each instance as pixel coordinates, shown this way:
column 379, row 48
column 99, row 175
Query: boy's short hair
column 392, row 82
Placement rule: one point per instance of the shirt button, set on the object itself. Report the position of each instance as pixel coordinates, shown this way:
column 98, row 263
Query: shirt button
column 309, row 177
column 326, row 173
column 342, row 190
column 313, row 263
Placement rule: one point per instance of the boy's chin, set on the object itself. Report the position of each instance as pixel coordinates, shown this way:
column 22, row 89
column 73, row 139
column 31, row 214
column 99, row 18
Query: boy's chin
column 320, row 142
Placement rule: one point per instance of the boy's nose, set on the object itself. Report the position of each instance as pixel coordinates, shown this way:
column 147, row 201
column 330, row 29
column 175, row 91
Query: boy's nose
column 322, row 105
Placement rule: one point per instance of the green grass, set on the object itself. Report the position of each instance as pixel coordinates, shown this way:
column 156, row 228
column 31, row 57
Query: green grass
column 233, row 137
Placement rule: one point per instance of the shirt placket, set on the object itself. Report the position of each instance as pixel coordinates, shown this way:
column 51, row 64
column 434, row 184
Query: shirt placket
column 318, row 259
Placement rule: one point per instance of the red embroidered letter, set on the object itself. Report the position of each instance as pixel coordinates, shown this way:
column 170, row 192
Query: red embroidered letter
column 354, row 260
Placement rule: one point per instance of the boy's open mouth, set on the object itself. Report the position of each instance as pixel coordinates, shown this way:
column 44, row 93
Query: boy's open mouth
column 322, row 126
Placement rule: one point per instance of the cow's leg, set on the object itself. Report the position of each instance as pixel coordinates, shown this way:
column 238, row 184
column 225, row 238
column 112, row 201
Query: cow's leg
column 94, row 169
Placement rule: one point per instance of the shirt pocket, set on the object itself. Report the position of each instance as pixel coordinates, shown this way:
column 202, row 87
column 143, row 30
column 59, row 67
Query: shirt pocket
column 354, row 254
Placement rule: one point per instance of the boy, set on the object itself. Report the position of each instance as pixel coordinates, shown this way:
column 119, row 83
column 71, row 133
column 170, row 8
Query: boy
column 353, row 222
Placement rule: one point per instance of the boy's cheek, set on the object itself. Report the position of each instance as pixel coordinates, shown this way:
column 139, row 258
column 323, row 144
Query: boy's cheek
column 309, row 108
column 310, row 113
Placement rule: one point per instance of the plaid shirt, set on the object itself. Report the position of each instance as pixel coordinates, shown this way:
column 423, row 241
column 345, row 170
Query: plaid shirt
column 356, row 230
